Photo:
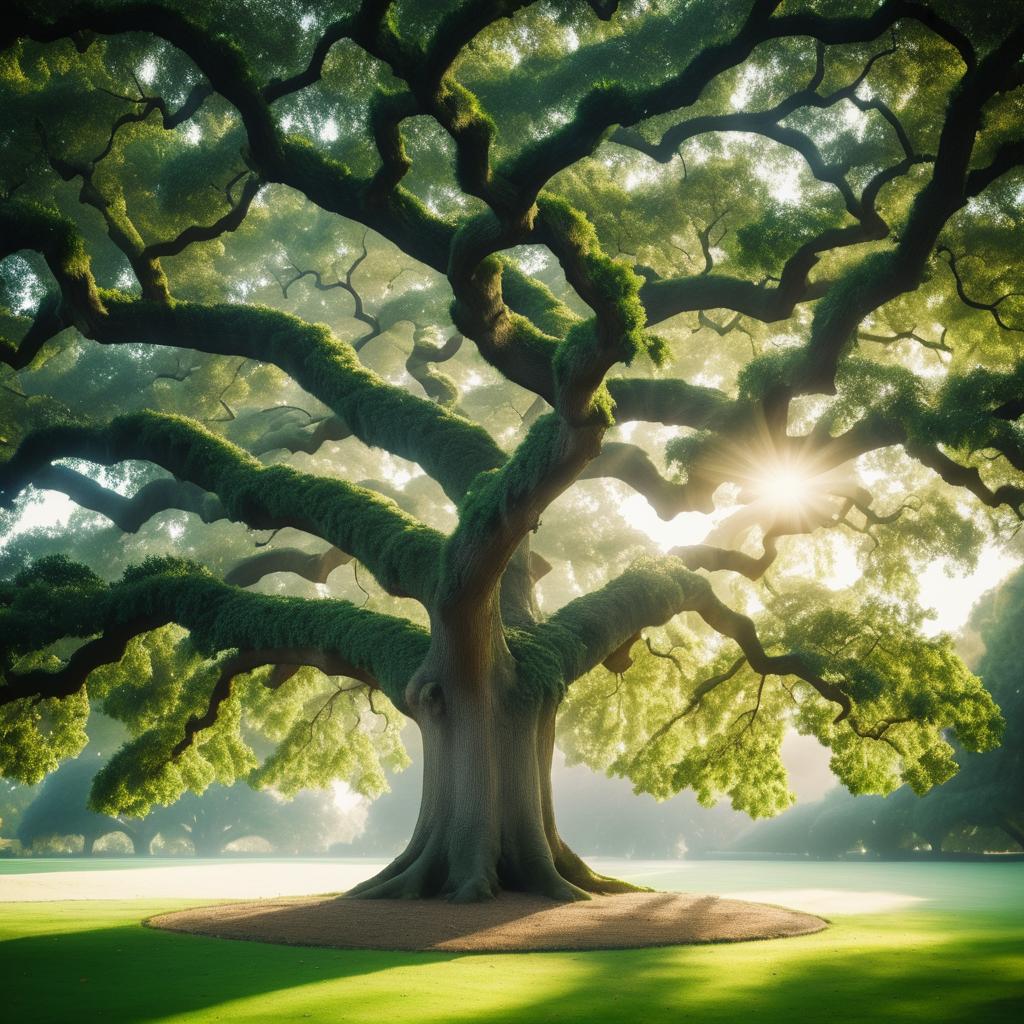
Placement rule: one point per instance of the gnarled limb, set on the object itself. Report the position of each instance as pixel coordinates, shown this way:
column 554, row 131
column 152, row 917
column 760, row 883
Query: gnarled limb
column 633, row 466
column 246, row 661
column 313, row 566
column 129, row 514
column 651, row 593
column 219, row 618
column 401, row 552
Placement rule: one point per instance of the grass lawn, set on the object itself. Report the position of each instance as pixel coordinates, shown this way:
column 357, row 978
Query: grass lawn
column 959, row 957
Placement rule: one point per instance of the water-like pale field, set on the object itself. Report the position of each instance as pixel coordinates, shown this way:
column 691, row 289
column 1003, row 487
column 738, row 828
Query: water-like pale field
column 924, row 942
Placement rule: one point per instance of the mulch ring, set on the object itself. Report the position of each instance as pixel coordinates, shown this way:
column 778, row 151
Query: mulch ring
column 511, row 923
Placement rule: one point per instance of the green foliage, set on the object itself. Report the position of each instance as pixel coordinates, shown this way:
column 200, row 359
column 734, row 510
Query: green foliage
column 405, row 188
column 765, row 243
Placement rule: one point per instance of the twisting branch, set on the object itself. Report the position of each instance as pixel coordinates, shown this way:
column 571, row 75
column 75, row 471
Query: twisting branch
column 120, row 227
column 633, row 466
column 699, row 692
column 230, row 221
column 911, row 335
column 452, row 450
column 419, row 366
column 170, row 119
column 990, row 307
column 347, row 285
column 313, row 566
column 328, row 634
column 649, row 594
column 352, row 518
column 129, row 514
column 249, row 660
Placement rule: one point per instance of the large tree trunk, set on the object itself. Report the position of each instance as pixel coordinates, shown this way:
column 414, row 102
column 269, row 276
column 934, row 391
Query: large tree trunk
column 486, row 820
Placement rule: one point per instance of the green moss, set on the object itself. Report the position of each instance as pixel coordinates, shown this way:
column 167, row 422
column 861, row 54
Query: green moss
column 763, row 374
column 219, row 618
column 541, row 658
column 846, row 303
column 399, row 550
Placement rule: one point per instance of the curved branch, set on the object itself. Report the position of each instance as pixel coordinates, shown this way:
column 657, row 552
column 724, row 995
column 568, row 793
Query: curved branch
column 451, row 449
column 352, row 518
column 649, row 594
column 989, row 307
column 632, row 465
column 219, row 618
column 437, row 386
column 229, row 222
column 249, row 660
column 700, row 691
column 129, row 514
column 313, row 566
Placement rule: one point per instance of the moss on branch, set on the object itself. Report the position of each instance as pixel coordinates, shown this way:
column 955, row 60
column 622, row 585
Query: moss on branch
column 401, row 552
column 56, row 598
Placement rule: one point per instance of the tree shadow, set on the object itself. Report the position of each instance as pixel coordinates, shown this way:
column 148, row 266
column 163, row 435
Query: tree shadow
column 940, row 967
column 129, row 973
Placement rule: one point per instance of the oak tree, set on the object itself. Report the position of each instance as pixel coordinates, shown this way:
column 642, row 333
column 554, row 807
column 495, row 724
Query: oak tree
column 754, row 263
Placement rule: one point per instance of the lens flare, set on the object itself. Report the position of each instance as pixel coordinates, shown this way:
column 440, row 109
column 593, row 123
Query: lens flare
column 785, row 485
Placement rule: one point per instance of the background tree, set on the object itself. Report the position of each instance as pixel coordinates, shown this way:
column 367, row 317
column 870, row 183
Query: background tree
column 210, row 822
column 61, row 810
column 815, row 206
column 306, row 824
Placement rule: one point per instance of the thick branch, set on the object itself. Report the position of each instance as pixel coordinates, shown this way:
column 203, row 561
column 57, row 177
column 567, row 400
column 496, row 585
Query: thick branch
column 401, row 552
column 313, row 566
column 219, row 617
column 651, row 593
column 129, row 514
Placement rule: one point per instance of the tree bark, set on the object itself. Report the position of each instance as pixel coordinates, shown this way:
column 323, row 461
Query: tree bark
column 486, row 820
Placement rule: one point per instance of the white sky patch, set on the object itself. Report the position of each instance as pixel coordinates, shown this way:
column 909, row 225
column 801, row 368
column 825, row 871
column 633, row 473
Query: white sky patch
column 855, row 119
column 953, row 596
column 329, row 130
column 783, row 182
column 193, row 134
column 845, row 567
column 533, row 260
column 685, row 528
column 146, row 71
column 48, row 509
column 345, row 797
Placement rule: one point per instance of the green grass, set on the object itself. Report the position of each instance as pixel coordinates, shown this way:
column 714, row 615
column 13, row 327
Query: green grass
column 960, row 957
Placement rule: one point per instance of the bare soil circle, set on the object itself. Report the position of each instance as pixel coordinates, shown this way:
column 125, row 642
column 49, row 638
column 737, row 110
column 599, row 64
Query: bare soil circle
column 511, row 923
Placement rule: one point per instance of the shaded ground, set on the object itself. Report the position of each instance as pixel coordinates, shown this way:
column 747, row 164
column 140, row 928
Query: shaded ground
column 511, row 923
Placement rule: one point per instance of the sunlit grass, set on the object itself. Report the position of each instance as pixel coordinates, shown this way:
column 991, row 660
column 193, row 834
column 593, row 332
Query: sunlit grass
column 956, row 954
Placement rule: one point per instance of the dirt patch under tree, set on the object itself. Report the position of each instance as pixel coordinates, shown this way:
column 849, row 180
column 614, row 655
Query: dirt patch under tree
column 511, row 923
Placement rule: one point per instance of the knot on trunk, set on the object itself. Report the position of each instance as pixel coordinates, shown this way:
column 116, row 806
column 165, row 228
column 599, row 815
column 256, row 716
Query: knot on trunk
column 428, row 697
